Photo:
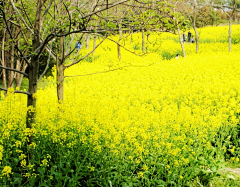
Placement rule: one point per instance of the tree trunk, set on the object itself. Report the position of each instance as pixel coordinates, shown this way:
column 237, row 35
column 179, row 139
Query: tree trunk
column 33, row 78
column 3, row 60
column 70, row 44
column 195, row 29
column 87, row 41
column 148, row 37
column 143, row 42
column 19, row 76
column 31, row 103
column 11, row 65
column 118, row 46
column 94, row 44
column 60, row 71
column 60, row 79
column 180, row 39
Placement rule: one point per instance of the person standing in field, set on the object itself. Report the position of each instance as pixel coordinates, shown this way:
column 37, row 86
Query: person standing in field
column 189, row 36
column 184, row 37
column 78, row 45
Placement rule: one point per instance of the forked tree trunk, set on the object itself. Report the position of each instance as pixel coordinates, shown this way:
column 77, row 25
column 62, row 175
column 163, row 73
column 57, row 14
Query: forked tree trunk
column 33, row 78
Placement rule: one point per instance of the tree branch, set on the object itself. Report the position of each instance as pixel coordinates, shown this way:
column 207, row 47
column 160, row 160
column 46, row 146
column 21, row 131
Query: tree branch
column 11, row 21
column 45, row 70
column 16, row 91
column 67, row 66
column 24, row 22
column 69, row 17
column 14, row 70
column 106, row 8
column 120, row 68
column 130, row 50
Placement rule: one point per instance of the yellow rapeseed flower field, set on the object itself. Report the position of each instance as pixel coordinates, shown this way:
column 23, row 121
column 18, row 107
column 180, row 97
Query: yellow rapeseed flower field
column 151, row 122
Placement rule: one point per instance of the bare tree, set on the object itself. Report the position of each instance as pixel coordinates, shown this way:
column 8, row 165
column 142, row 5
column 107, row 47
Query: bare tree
column 8, row 59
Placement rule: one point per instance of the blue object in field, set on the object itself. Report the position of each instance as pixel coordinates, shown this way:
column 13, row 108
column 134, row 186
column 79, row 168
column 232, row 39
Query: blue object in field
column 78, row 44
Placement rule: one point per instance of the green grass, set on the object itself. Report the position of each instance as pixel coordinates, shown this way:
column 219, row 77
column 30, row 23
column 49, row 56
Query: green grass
column 227, row 177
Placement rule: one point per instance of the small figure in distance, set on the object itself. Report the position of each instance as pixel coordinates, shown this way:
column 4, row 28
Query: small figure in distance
column 192, row 40
column 177, row 56
column 184, row 37
column 189, row 36
column 78, row 45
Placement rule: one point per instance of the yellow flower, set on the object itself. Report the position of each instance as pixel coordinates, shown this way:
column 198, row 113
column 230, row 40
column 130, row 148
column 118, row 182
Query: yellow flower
column 92, row 168
column 23, row 163
column 22, row 156
column 140, row 174
column 49, row 156
column 6, row 171
column 138, row 161
column 18, row 144
column 33, row 145
column 145, row 168
column 167, row 167
column 27, row 175
column 30, row 166
column 19, row 151
column 44, row 162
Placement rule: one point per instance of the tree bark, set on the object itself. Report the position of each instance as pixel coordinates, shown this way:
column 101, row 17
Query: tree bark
column 19, row 76
column 3, row 60
column 94, row 43
column 60, row 79
column 182, row 46
column 118, row 46
column 33, row 71
column 11, row 65
column 195, row 29
column 60, row 71
column 87, row 41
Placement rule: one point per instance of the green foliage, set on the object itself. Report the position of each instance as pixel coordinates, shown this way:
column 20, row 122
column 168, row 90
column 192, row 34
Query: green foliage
column 168, row 55
column 90, row 58
column 235, row 39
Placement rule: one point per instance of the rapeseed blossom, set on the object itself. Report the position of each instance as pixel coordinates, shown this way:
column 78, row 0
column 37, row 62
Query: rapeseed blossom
column 7, row 170
column 152, row 116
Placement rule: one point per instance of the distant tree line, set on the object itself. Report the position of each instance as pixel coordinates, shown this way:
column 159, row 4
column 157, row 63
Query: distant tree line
column 209, row 16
